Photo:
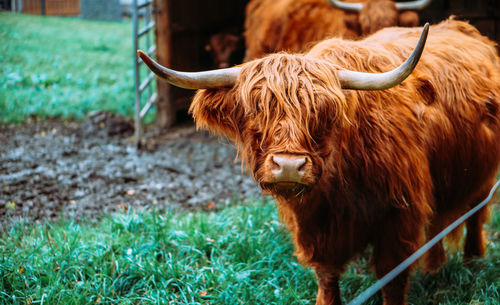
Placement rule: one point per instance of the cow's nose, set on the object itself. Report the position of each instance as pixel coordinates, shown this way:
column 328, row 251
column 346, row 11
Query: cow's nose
column 288, row 168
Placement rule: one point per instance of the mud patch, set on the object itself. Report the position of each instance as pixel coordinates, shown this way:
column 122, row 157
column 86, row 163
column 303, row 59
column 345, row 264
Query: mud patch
column 53, row 169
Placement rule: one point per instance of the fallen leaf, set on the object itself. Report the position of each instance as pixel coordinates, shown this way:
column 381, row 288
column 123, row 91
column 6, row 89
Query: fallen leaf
column 11, row 205
column 123, row 207
column 21, row 270
column 203, row 293
column 113, row 268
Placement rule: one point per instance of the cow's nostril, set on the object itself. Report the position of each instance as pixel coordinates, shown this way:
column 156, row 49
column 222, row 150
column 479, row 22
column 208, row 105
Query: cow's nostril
column 275, row 164
column 301, row 164
column 288, row 167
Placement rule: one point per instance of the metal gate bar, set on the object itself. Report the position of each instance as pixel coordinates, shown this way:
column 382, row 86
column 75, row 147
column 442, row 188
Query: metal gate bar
column 140, row 87
column 370, row 291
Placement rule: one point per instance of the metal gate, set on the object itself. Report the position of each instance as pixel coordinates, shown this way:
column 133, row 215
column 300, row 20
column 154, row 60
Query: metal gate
column 142, row 10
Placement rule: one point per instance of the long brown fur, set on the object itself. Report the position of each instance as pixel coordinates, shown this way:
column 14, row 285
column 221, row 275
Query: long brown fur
column 294, row 25
column 390, row 168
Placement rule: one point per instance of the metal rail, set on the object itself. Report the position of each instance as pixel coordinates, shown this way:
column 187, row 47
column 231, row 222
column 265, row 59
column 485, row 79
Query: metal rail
column 145, row 85
column 368, row 293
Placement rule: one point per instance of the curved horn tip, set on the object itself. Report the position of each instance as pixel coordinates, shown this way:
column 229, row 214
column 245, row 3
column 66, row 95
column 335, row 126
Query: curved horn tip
column 192, row 80
column 413, row 5
column 356, row 7
column 380, row 81
column 143, row 55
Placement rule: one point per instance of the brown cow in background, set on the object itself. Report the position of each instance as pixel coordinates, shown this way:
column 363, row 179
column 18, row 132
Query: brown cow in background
column 354, row 159
column 226, row 49
column 294, row 25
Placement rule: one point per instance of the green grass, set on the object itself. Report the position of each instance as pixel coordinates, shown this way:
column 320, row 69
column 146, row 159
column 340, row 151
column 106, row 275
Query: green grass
column 240, row 255
column 63, row 67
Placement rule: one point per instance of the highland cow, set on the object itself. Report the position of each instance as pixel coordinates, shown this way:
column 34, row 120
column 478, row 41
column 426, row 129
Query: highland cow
column 357, row 156
column 226, row 49
column 294, row 25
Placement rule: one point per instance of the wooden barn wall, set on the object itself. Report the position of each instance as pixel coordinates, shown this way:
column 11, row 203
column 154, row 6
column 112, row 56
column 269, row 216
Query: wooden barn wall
column 52, row 7
column 62, row 7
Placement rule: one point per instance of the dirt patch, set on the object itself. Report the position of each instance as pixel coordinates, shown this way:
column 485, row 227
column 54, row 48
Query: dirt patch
column 53, row 169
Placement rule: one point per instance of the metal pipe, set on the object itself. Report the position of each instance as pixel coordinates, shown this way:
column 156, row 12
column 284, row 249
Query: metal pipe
column 137, row 100
column 42, row 7
column 146, row 29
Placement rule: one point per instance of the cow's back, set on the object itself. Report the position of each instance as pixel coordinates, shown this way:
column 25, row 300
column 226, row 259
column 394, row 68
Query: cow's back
column 454, row 94
column 289, row 25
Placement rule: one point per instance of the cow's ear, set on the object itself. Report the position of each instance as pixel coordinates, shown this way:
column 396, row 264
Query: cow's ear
column 215, row 110
column 408, row 19
column 351, row 21
column 426, row 89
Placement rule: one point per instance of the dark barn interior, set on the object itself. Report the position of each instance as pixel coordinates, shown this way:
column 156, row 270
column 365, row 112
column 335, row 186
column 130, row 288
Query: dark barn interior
column 483, row 14
column 184, row 28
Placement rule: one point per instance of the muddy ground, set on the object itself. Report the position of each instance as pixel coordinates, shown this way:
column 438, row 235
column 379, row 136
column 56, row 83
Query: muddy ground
column 54, row 169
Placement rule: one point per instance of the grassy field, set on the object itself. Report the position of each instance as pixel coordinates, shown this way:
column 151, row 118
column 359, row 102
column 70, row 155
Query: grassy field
column 240, row 255
column 63, row 67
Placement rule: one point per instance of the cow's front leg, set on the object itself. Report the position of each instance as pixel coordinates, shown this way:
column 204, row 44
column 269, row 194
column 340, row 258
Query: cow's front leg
column 398, row 238
column 328, row 288
column 394, row 293
column 385, row 259
column 395, row 245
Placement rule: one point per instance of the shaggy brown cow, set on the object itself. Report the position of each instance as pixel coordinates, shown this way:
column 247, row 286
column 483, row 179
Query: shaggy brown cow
column 350, row 168
column 293, row 25
column 226, row 49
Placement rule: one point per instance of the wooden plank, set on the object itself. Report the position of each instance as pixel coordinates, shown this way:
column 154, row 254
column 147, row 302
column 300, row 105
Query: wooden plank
column 52, row 7
column 62, row 7
column 32, row 7
column 165, row 111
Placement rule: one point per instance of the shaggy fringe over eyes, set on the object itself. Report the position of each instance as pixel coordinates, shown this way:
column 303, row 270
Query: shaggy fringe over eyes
column 293, row 92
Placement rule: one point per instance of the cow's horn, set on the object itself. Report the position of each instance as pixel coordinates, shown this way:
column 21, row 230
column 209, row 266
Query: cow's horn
column 380, row 81
column 401, row 6
column 412, row 5
column 193, row 80
column 346, row 6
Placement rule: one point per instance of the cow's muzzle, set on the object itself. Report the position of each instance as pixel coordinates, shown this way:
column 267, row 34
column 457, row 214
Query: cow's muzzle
column 287, row 174
column 288, row 169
